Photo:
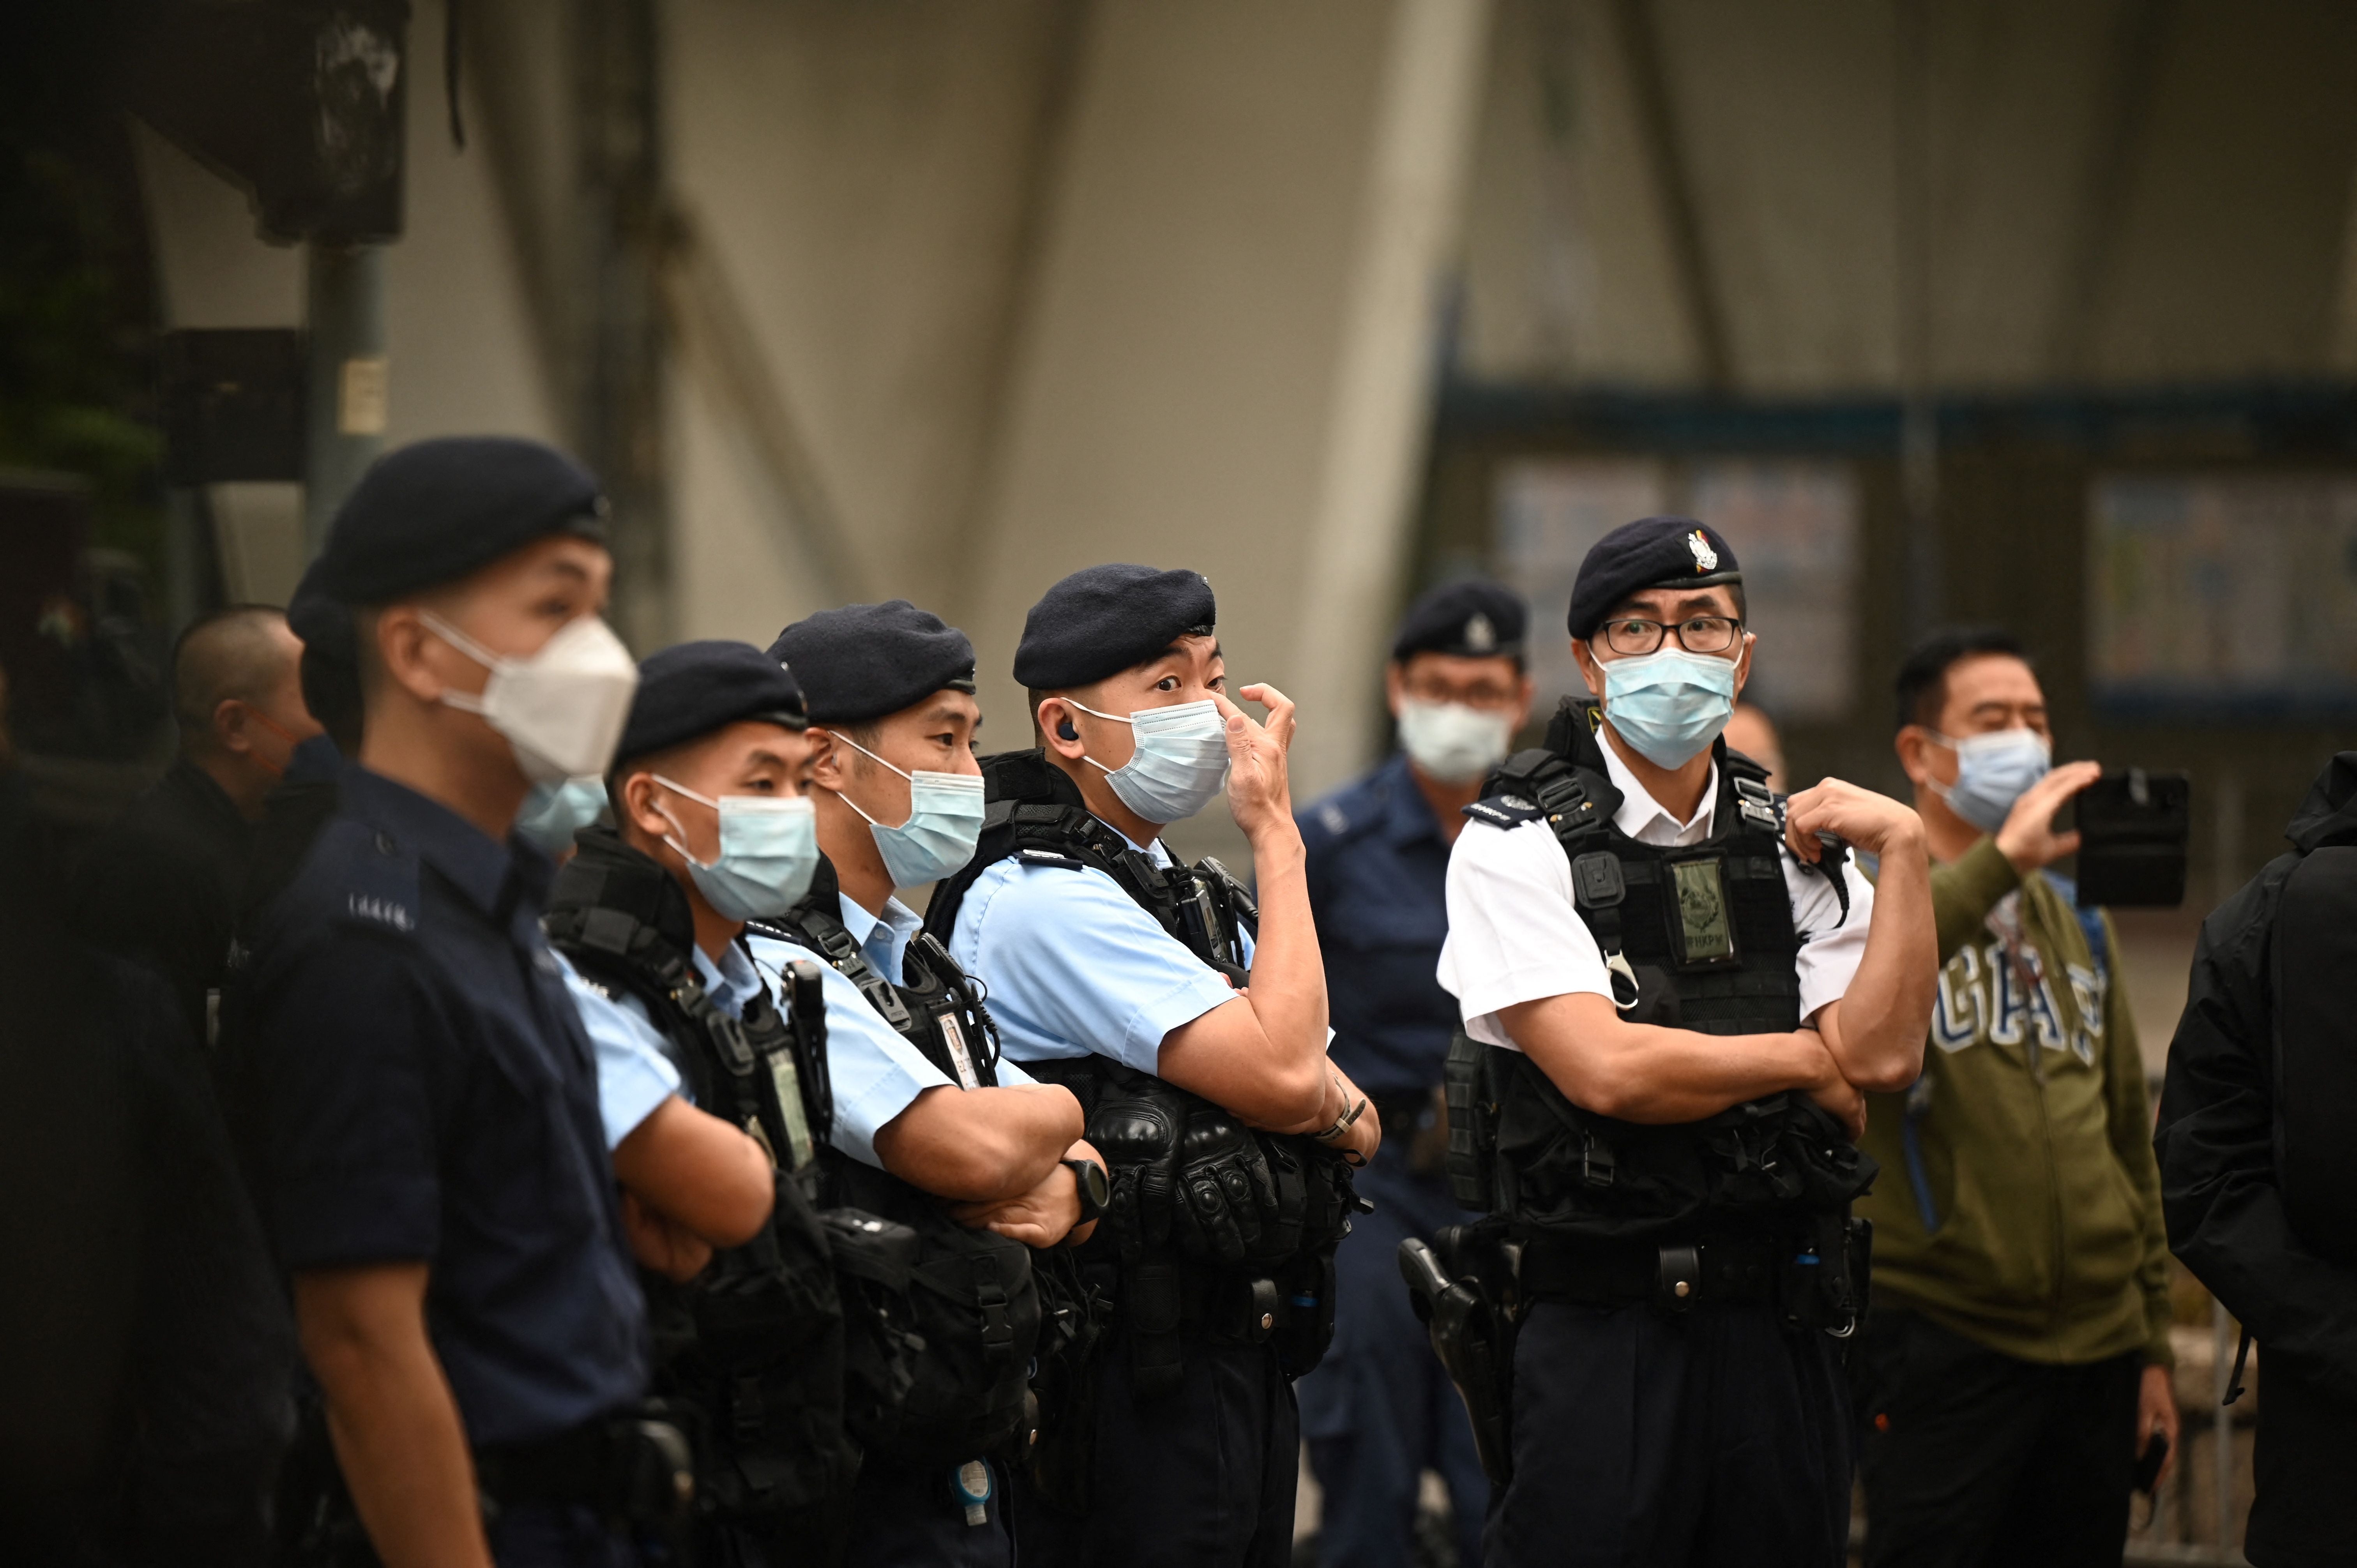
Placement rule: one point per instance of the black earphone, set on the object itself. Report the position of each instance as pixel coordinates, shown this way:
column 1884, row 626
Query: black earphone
column 1064, row 730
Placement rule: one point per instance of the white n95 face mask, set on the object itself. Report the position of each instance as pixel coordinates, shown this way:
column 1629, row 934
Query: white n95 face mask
column 768, row 852
column 1455, row 743
column 553, row 813
column 944, row 822
column 1180, row 763
column 561, row 709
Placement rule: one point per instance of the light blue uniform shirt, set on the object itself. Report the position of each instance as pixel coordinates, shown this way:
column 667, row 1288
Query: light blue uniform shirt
column 875, row 1072
column 1073, row 966
column 883, row 939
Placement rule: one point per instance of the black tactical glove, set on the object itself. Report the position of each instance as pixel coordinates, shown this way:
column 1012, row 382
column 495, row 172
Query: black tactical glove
column 1136, row 1131
column 1226, row 1184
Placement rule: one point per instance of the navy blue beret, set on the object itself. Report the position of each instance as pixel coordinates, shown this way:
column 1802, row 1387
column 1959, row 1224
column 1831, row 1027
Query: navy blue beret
column 688, row 690
column 324, row 626
column 1650, row 552
column 1102, row 620
column 433, row 512
column 863, row 661
column 1475, row 617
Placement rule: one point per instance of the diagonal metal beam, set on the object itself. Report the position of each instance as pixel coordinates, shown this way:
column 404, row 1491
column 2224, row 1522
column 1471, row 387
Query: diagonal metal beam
column 1666, row 152
column 2140, row 33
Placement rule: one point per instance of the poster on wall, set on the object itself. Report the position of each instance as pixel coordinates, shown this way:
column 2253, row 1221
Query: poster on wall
column 1792, row 524
column 2229, row 596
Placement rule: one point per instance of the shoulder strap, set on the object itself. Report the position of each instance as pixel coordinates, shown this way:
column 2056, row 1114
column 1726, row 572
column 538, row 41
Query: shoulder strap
column 2090, row 921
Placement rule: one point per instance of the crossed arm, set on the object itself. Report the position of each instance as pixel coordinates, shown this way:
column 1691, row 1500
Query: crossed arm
column 1871, row 1040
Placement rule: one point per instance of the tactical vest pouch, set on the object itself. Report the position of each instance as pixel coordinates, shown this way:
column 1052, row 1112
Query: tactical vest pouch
column 872, row 1260
column 971, row 1307
column 1472, row 1121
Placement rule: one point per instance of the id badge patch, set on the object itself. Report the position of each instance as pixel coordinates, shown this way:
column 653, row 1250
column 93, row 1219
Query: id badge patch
column 786, row 1078
column 1704, row 924
column 960, row 1057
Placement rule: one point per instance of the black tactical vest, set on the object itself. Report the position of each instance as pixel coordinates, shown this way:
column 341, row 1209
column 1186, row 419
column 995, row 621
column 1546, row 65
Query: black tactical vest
column 1698, row 937
column 1282, row 1292
column 754, row 1346
column 973, row 1299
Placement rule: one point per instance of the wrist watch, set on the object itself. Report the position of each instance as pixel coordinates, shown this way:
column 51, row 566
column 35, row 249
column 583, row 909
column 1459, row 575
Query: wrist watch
column 1097, row 1188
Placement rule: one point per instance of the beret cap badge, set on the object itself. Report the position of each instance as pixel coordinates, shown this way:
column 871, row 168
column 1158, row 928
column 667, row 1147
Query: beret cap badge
column 1480, row 635
column 1706, row 558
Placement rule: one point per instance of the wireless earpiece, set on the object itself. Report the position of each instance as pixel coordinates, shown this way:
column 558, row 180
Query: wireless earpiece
column 1064, row 730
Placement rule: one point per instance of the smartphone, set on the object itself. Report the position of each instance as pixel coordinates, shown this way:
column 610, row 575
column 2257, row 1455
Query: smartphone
column 2148, row 1463
column 2133, row 828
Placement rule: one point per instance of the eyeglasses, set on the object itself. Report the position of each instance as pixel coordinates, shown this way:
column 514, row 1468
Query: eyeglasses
column 1703, row 634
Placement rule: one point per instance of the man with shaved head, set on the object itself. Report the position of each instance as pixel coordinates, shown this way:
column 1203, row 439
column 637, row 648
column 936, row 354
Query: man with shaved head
column 160, row 887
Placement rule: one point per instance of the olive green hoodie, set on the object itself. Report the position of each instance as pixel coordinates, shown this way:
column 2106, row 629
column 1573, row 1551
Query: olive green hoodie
column 2024, row 1211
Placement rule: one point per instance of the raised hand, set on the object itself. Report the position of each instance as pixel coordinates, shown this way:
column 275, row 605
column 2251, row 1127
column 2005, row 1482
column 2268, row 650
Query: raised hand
column 1260, row 794
column 2027, row 838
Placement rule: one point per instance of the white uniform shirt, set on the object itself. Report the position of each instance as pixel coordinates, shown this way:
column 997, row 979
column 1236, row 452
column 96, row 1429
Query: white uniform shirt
column 1516, row 934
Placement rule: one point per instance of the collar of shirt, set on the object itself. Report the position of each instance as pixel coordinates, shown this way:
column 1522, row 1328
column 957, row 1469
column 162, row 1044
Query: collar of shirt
column 1644, row 819
column 731, row 982
column 882, row 939
column 1407, row 815
column 468, row 859
column 1157, row 852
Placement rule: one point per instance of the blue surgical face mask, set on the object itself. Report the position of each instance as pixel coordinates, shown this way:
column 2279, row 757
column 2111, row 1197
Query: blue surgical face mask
column 1180, row 763
column 553, row 813
column 944, row 822
column 768, row 852
column 1992, row 770
column 1669, row 705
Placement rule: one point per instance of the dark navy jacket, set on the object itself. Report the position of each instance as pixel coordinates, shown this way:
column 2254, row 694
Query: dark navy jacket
column 1378, row 875
column 429, row 1095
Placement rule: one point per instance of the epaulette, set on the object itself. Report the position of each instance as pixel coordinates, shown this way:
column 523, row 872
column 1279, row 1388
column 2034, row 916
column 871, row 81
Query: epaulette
column 1504, row 812
column 1050, row 857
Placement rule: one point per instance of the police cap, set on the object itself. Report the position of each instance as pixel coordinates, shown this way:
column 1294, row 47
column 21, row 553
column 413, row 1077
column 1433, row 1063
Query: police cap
column 1102, row 620
column 433, row 512
column 1476, row 618
column 1650, row 552
column 863, row 661
column 688, row 690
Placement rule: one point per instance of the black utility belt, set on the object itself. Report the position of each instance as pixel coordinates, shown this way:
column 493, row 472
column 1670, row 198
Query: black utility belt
column 1673, row 1274
column 1233, row 1305
column 633, row 1466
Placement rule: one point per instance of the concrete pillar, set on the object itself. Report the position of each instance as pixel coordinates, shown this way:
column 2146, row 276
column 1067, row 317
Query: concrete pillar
column 1230, row 341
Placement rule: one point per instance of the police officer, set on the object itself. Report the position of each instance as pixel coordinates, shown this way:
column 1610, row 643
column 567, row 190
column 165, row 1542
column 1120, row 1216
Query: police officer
column 1684, row 990
column 1379, row 1411
column 1112, row 968
column 433, row 1172
column 898, row 799
column 715, row 828
column 713, row 1097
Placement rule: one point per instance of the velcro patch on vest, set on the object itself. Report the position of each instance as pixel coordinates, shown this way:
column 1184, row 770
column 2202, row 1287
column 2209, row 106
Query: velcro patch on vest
column 1050, row 857
column 1503, row 812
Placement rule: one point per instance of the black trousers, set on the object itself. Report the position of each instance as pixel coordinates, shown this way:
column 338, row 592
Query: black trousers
column 1646, row 1440
column 1973, row 1457
column 1202, row 1477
